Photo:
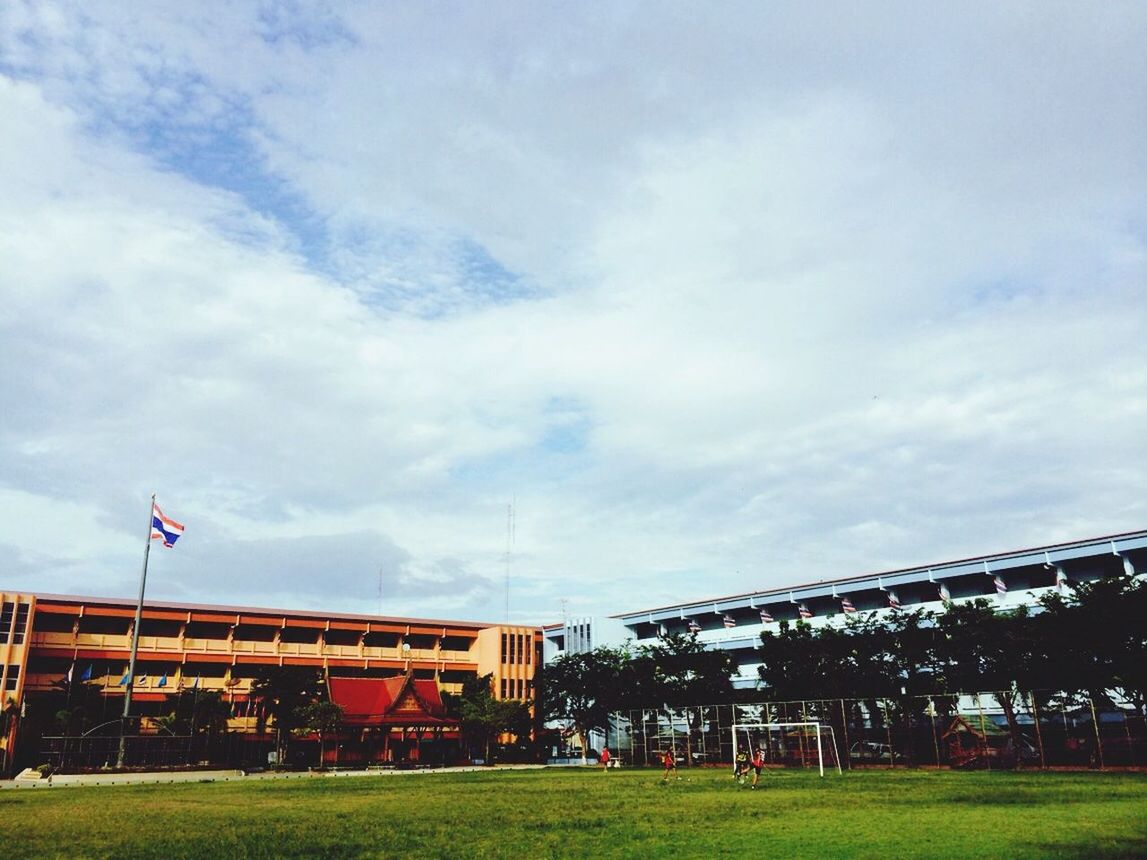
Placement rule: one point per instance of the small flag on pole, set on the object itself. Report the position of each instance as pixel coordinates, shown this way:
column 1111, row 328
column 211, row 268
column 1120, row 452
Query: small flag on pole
column 123, row 681
column 945, row 594
column 804, row 611
column 729, row 621
column 68, row 677
column 87, row 673
column 846, row 604
column 164, row 528
column 1060, row 578
column 766, row 616
column 1001, row 586
column 694, row 627
column 162, row 680
column 893, row 600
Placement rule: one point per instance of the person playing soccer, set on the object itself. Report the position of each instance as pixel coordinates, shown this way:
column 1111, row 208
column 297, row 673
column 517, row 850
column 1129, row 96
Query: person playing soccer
column 741, row 767
column 670, row 762
column 757, row 762
column 604, row 759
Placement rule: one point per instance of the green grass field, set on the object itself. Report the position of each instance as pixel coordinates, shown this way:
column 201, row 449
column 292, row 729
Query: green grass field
column 574, row 812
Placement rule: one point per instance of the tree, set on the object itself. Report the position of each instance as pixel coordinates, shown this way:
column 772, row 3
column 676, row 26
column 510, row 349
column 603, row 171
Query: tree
column 979, row 648
column 677, row 672
column 794, row 663
column 485, row 717
column 585, row 688
column 320, row 718
column 1107, row 646
column 283, row 692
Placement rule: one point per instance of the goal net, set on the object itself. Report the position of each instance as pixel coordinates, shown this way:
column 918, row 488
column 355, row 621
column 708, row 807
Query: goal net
column 788, row 744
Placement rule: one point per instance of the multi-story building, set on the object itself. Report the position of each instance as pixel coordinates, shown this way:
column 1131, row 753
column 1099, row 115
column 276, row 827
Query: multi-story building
column 55, row 648
column 735, row 622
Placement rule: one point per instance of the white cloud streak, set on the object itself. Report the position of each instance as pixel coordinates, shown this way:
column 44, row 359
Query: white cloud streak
column 724, row 299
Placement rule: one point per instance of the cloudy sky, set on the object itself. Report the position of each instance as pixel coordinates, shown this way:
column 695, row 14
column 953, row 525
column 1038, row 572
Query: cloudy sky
column 717, row 296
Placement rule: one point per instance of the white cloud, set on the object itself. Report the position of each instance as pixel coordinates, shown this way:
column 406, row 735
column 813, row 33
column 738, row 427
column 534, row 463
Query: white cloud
column 725, row 299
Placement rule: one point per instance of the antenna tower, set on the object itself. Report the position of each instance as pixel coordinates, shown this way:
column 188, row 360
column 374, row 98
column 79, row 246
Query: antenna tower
column 511, row 527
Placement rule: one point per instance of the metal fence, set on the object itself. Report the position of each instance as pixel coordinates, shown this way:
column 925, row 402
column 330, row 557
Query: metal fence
column 984, row 730
column 143, row 748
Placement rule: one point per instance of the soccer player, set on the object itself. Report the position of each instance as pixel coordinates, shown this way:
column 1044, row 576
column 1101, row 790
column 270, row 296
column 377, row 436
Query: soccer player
column 758, row 762
column 670, row 762
column 741, row 767
column 604, row 759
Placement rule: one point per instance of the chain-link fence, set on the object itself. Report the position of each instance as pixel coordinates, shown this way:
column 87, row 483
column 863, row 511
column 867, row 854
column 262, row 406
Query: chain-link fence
column 984, row 730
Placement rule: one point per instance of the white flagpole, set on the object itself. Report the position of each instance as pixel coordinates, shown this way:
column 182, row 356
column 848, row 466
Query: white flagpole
column 135, row 637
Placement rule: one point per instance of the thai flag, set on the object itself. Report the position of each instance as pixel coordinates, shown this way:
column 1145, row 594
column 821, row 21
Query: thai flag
column 766, row 616
column 1001, row 586
column 846, row 604
column 804, row 611
column 729, row 621
column 164, row 528
column 893, row 600
column 694, row 627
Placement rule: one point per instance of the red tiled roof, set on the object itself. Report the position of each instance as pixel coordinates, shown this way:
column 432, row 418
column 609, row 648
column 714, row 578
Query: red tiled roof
column 398, row 701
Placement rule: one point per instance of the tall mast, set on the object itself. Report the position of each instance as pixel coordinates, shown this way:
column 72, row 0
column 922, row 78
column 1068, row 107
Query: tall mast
column 135, row 637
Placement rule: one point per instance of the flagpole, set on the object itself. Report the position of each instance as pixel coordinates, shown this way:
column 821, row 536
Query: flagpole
column 135, row 638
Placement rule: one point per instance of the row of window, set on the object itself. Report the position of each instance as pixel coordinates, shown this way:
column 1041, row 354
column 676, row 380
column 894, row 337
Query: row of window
column 517, row 648
column 515, row 688
column 117, row 626
column 9, row 613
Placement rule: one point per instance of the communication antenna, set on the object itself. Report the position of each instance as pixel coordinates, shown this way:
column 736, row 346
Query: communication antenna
column 511, row 527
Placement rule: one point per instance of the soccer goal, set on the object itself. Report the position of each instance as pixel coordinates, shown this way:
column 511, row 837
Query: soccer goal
column 802, row 744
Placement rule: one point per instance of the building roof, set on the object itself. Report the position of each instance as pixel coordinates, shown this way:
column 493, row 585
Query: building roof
column 401, row 700
column 269, row 612
column 1051, row 553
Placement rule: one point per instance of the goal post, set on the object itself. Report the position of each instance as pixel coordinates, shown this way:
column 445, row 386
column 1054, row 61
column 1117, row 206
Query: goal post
column 788, row 740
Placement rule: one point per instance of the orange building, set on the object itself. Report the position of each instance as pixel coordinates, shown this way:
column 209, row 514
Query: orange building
column 58, row 649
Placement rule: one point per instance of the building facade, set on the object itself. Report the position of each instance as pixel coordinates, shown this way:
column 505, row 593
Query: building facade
column 734, row 623
column 56, row 649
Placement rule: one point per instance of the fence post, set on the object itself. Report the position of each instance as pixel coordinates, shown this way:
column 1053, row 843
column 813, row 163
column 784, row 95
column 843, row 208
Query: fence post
column 1038, row 732
column 844, row 726
column 1095, row 726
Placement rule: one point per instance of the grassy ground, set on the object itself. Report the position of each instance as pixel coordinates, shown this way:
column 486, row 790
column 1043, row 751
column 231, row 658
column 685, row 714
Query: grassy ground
column 571, row 812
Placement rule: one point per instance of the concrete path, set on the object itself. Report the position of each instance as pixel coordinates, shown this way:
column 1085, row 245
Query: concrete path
column 64, row 780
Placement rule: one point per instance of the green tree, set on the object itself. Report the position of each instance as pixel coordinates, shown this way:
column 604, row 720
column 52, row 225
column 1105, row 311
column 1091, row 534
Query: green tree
column 320, row 718
column 679, row 672
column 282, row 693
column 583, row 689
column 200, row 713
column 485, row 717
column 1096, row 637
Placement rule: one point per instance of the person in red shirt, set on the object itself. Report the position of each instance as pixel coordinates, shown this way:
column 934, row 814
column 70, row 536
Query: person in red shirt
column 670, row 762
column 604, row 759
column 757, row 762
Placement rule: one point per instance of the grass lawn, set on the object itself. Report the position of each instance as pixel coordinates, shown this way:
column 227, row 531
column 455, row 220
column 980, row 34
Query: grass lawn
column 574, row 812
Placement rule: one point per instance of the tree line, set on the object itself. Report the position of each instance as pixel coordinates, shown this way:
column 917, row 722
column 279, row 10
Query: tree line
column 1089, row 641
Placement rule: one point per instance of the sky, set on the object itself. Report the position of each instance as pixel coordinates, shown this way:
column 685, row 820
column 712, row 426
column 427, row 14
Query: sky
column 620, row 304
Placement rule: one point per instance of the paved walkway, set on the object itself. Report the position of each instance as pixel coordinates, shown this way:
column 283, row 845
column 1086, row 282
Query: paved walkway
column 65, row 780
